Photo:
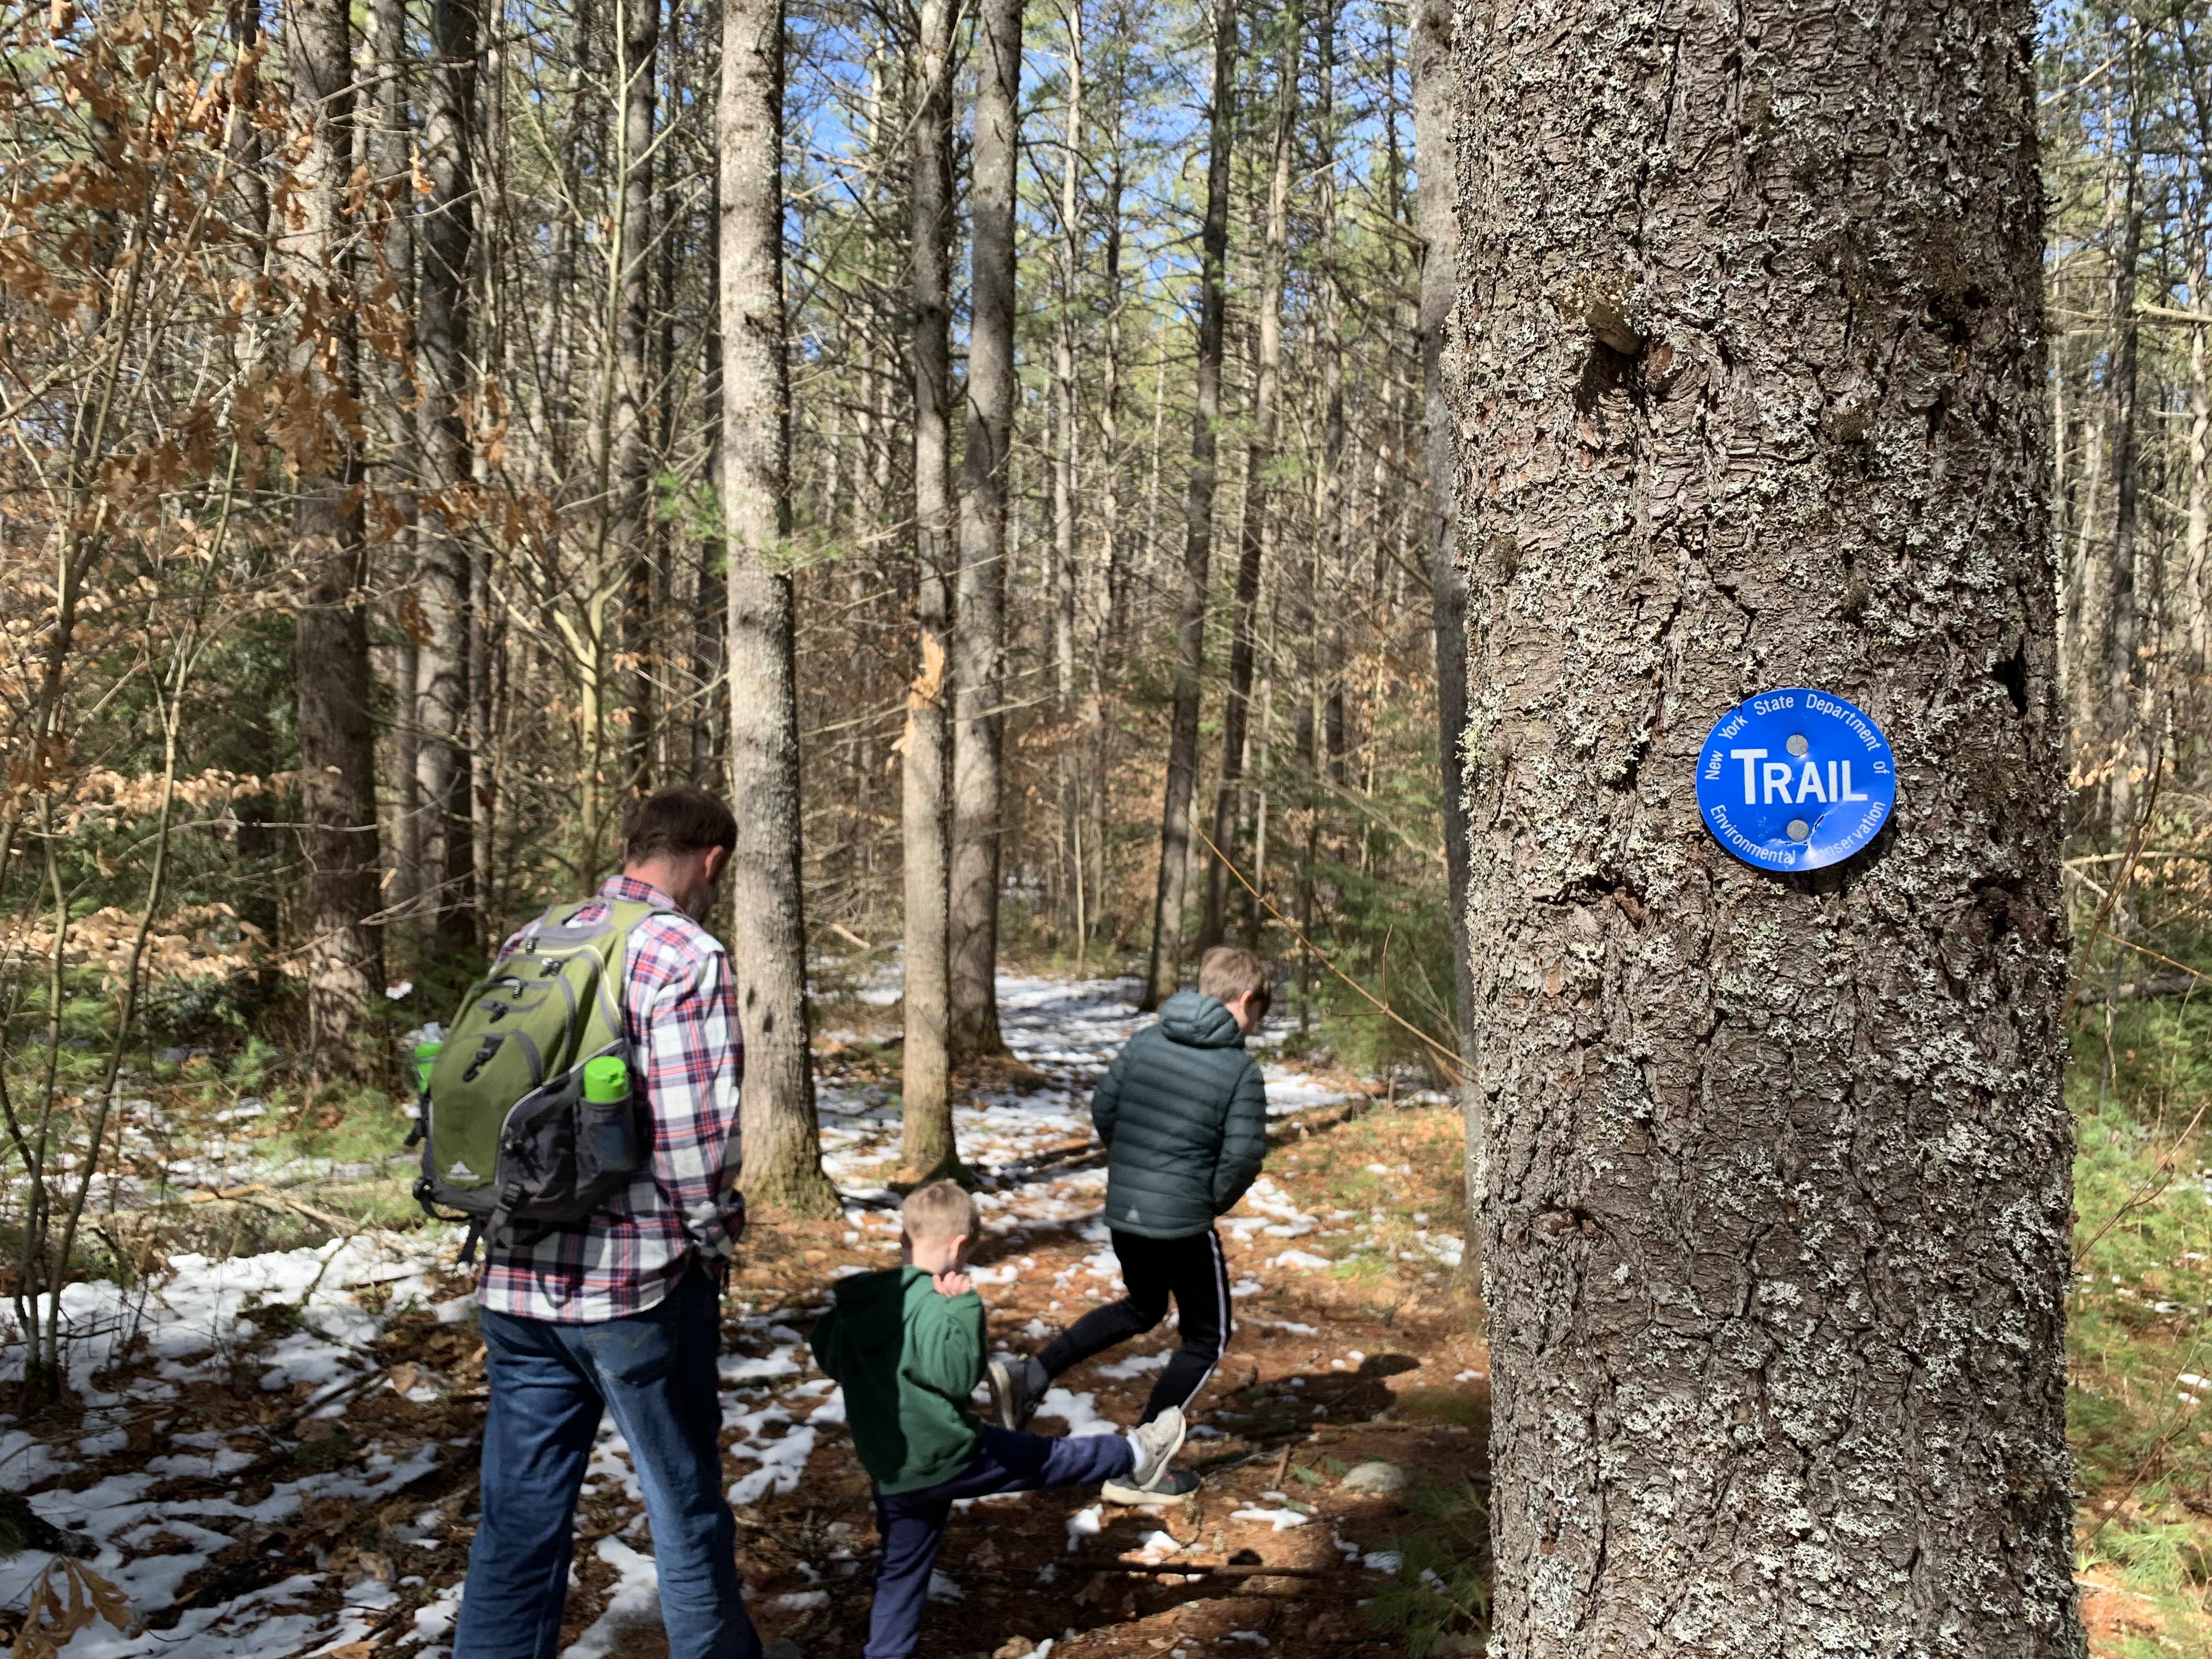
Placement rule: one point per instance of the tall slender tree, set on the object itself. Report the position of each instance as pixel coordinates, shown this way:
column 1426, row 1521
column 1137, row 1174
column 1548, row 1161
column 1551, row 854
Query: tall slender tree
column 979, row 642
column 1164, row 971
column 2117, row 673
column 638, row 61
column 444, row 774
column 338, row 751
column 782, row 1144
column 1257, row 533
column 1435, row 86
column 929, row 1149
column 1776, row 1209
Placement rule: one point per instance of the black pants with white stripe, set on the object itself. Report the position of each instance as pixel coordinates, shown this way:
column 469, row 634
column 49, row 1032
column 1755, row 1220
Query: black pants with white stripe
column 1195, row 1273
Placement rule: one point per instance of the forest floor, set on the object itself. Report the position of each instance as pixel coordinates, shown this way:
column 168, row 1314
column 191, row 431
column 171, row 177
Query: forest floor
column 274, row 1452
column 272, row 1445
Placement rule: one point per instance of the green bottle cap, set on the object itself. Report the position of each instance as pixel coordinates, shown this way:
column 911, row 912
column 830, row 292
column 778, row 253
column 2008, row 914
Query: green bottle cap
column 606, row 1079
column 426, row 1056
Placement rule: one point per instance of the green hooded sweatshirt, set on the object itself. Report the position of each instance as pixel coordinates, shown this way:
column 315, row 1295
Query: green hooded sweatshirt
column 908, row 1358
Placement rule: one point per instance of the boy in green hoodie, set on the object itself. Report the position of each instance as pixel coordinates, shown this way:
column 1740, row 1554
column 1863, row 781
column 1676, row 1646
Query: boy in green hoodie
column 907, row 1346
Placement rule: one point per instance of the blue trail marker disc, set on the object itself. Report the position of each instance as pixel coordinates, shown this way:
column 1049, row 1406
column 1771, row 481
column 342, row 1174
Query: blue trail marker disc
column 1795, row 779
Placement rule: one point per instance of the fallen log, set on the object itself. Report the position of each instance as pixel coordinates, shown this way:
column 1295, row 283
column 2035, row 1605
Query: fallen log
column 1188, row 1569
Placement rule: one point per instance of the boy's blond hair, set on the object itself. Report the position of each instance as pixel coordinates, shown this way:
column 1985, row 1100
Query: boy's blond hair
column 942, row 1209
column 1230, row 971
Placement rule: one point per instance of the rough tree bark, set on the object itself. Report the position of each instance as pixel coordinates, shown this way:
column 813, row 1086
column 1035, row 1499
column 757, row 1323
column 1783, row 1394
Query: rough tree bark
column 767, row 937
column 329, row 633
column 444, row 777
column 927, row 1105
column 1778, row 1180
column 1259, row 458
column 979, row 640
column 1435, row 103
column 1164, row 971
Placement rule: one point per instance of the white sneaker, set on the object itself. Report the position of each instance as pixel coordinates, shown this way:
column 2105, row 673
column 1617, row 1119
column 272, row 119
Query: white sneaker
column 1170, row 1486
column 1149, row 1481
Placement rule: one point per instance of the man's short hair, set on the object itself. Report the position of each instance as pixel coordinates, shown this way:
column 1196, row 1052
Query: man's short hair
column 943, row 1209
column 1230, row 971
column 678, row 821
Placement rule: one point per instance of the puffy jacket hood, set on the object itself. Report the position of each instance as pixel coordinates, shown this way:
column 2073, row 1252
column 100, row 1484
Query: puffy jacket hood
column 1200, row 1022
column 1183, row 1112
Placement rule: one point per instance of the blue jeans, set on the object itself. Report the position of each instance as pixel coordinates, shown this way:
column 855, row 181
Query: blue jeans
column 912, row 1523
column 655, row 1372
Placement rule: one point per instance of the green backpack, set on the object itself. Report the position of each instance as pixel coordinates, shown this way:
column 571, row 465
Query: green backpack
column 509, row 1132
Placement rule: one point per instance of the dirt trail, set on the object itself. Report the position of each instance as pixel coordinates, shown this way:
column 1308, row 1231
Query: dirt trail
column 304, row 1482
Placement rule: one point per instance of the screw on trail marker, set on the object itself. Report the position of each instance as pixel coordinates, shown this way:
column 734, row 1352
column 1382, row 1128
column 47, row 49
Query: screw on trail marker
column 1795, row 779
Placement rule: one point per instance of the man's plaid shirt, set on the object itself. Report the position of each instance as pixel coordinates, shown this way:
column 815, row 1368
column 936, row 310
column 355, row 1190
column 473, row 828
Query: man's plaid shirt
column 682, row 1020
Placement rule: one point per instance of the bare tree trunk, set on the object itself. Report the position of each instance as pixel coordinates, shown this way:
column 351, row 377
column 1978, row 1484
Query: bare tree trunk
column 1328, row 480
column 979, row 642
column 929, row 1149
column 445, row 776
column 1436, row 98
column 1778, row 1167
column 1260, row 456
column 1066, row 454
column 2197, row 535
column 1112, row 530
column 337, row 750
column 391, row 204
column 768, row 934
column 2115, row 655
column 632, row 530
column 249, row 143
column 1164, row 972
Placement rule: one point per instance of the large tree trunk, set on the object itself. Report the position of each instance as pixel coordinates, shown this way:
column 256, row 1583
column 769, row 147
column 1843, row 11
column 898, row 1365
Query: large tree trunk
column 1436, row 88
column 1777, row 1189
column 979, row 640
column 338, row 751
column 1164, row 971
column 443, row 776
column 767, row 937
column 929, row 1149
column 1260, row 456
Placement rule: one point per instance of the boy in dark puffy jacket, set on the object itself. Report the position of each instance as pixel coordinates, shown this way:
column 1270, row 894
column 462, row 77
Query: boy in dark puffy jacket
column 1183, row 1112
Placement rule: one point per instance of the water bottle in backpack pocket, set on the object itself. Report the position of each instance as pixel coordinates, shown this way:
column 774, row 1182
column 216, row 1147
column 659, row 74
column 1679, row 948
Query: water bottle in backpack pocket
column 608, row 1136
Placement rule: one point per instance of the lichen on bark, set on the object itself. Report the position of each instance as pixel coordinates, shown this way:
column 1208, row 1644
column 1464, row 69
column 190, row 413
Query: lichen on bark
column 1748, row 385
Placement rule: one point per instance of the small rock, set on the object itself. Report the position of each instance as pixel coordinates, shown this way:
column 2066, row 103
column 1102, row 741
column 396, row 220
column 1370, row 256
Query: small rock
column 783, row 1647
column 1377, row 1478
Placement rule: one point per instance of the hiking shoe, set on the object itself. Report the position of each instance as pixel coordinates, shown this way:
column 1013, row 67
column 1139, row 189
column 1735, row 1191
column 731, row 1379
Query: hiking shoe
column 1154, row 1443
column 1016, row 1386
column 1167, row 1486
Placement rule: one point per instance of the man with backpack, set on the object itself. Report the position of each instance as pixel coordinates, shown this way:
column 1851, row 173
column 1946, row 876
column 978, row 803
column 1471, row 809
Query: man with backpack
column 617, row 1310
